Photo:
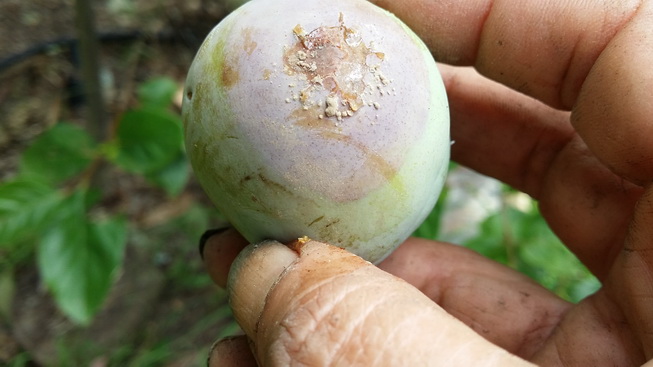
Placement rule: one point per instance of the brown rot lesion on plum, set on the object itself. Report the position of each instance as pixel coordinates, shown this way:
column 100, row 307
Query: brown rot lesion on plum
column 338, row 73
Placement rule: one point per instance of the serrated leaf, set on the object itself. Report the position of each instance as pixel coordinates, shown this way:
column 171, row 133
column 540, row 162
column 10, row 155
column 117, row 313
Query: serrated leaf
column 78, row 259
column 27, row 207
column 157, row 92
column 58, row 154
column 173, row 177
column 149, row 140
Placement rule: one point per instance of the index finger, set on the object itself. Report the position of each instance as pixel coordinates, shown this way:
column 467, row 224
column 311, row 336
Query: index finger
column 556, row 51
column 544, row 49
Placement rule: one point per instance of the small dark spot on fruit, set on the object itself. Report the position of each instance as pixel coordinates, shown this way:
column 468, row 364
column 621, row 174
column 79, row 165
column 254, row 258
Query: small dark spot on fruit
column 189, row 94
column 277, row 186
column 316, row 220
column 332, row 223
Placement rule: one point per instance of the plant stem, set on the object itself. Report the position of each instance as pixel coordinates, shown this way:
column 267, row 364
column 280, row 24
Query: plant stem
column 89, row 47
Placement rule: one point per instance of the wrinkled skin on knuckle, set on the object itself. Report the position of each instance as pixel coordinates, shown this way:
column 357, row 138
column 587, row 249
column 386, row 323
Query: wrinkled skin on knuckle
column 333, row 308
column 329, row 331
column 340, row 312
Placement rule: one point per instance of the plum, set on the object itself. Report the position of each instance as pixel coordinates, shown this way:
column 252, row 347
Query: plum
column 318, row 118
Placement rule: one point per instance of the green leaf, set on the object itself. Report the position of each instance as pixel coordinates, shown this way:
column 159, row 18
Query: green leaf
column 149, row 140
column 490, row 241
column 23, row 359
column 173, row 177
column 524, row 241
column 78, row 259
column 157, row 92
column 583, row 288
column 546, row 259
column 27, row 208
column 58, row 154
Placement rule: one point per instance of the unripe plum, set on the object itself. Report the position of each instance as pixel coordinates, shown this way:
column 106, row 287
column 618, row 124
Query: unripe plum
column 318, row 118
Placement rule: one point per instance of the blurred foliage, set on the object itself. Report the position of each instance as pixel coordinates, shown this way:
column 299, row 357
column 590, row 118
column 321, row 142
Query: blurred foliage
column 521, row 239
column 50, row 207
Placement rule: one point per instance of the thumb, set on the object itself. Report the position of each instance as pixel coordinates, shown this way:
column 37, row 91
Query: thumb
column 316, row 304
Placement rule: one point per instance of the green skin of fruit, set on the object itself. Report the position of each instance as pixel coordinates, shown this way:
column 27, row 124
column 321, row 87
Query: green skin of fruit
column 278, row 163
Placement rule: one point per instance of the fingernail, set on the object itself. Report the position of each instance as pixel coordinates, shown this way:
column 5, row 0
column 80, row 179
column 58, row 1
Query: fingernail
column 253, row 274
column 231, row 351
column 208, row 234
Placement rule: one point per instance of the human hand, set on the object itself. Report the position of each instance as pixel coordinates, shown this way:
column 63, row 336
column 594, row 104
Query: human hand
column 585, row 153
column 314, row 304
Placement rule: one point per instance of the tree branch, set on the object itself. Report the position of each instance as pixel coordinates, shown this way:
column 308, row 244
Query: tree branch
column 96, row 121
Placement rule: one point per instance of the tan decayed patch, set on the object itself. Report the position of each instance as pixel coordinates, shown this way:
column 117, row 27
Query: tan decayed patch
column 334, row 60
column 230, row 74
column 249, row 45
